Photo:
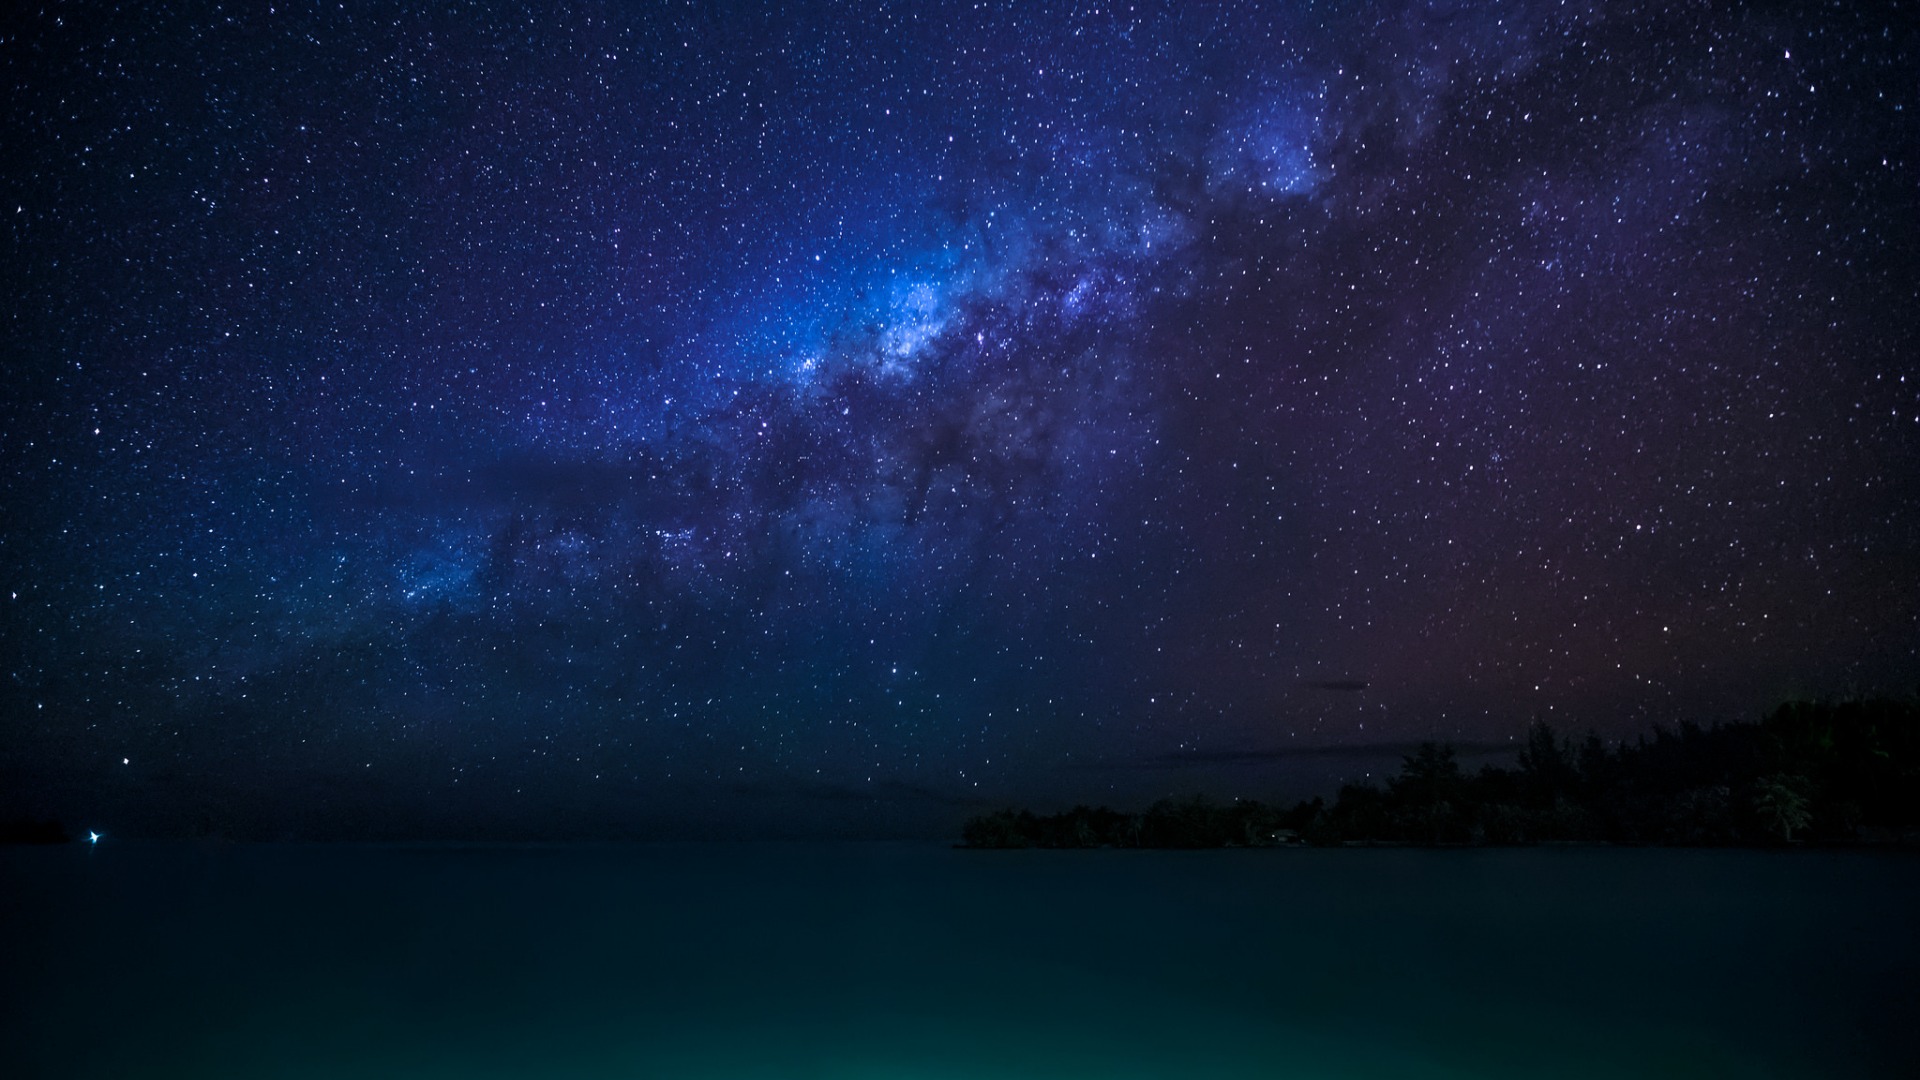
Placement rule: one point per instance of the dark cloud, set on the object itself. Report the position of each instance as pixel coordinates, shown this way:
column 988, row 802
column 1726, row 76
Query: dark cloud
column 1372, row 751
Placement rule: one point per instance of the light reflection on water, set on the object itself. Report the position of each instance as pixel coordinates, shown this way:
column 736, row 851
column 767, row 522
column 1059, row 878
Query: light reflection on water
column 856, row 961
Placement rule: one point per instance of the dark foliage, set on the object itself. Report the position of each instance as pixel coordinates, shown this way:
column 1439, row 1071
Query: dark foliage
column 1822, row 772
column 1183, row 823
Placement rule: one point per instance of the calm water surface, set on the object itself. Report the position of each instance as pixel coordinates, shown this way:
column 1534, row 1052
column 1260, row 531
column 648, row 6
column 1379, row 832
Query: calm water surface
column 887, row 961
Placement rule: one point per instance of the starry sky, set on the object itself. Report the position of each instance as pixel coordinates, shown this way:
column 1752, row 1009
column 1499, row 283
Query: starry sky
column 835, row 418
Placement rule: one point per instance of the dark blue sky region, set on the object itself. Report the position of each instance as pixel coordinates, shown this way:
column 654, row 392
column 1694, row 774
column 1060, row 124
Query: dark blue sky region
column 690, row 420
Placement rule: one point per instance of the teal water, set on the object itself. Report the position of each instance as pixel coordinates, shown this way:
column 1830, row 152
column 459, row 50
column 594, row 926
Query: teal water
column 889, row 961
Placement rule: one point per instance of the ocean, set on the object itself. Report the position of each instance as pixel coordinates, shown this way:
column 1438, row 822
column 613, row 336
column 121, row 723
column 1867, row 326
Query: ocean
column 904, row 961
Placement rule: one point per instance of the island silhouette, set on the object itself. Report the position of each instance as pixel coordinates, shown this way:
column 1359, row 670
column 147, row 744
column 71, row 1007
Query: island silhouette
column 1809, row 773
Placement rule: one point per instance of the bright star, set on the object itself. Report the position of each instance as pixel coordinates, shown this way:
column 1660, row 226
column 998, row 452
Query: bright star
column 93, row 837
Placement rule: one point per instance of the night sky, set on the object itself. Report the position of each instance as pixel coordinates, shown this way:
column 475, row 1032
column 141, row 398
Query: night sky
column 832, row 419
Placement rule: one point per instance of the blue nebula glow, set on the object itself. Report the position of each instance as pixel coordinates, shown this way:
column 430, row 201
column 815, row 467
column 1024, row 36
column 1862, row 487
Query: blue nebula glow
column 1275, row 148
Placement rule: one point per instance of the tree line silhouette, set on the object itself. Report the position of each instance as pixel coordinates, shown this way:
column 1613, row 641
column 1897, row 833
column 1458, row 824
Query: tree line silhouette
column 1842, row 772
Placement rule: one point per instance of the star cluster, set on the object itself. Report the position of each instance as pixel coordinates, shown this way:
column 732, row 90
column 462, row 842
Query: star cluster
column 454, row 419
